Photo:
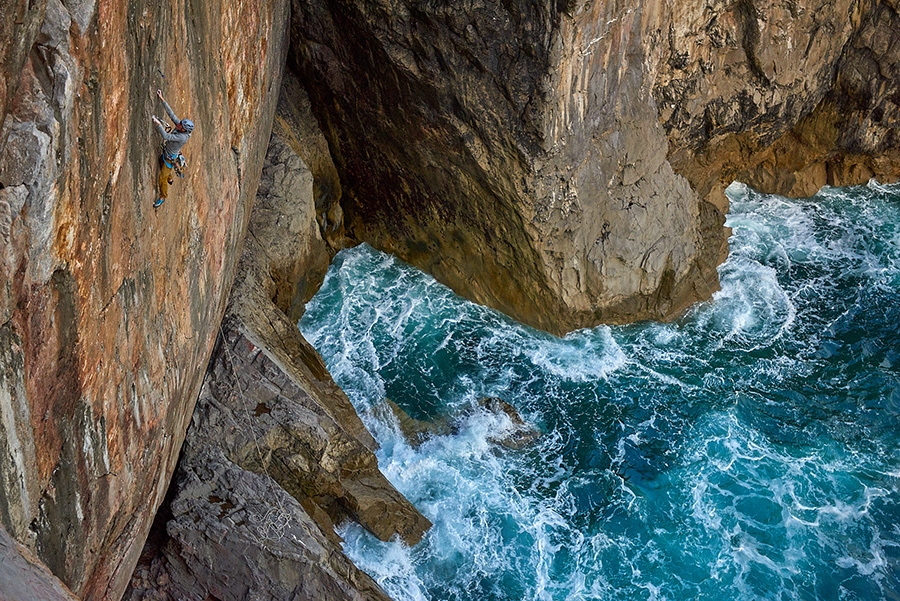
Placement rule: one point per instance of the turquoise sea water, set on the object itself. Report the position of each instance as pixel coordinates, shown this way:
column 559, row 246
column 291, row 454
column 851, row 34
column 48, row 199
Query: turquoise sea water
column 750, row 450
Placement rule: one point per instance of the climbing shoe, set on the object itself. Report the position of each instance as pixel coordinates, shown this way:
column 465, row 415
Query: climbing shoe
column 158, row 202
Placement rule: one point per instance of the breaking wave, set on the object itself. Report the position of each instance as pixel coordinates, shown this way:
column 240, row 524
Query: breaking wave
column 747, row 451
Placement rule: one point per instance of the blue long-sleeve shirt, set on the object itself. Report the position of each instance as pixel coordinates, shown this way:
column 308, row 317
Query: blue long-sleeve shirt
column 176, row 140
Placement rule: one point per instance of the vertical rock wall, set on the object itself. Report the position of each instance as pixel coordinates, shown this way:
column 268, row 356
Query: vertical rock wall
column 275, row 455
column 513, row 150
column 565, row 161
column 19, row 24
column 109, row 308
column 561, row 161
column 787, row 97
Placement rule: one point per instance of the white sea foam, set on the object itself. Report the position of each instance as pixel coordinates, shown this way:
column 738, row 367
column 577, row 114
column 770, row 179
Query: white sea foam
column 582, row 356
column 677, row 460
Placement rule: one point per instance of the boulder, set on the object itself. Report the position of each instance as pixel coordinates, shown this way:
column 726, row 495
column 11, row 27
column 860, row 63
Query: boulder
column 520, row 435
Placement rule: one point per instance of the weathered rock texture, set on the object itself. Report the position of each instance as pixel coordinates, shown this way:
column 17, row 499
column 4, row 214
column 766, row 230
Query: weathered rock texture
column 237, row 535
column 270, row 419
column 20, row 21
column 108, row 309
column 319, row 449
column 783, row 96
column 533, row 155
column 23, row 576
column 561, row 161
column 296, row 127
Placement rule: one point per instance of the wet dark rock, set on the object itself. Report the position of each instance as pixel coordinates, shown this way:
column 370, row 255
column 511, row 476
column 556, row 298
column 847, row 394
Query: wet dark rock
column 521, row 435
column 416, row 431
column 518, row 436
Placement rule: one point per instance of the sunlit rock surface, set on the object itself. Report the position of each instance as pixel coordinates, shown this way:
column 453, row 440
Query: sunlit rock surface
column 561, row 161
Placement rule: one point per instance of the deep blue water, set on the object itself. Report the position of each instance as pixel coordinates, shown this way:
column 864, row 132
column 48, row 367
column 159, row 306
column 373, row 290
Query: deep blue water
column 747, row 451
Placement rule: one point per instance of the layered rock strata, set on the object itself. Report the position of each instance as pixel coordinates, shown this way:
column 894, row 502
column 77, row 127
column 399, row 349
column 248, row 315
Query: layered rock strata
column 259, row 430
column 276, row 454
column 109, row 309
column 533, row 155
column 561, row 161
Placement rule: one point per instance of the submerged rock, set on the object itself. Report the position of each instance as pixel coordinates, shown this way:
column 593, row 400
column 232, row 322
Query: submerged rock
column 519, row 436
column 416, row 431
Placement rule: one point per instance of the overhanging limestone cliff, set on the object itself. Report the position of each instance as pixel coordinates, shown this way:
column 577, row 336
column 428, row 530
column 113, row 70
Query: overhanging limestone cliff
column 109, row 308
column 783, row 96
column 558, row 160
column 513, row 150
column 564, row 161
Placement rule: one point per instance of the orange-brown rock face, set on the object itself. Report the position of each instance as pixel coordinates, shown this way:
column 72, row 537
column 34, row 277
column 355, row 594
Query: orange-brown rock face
column 109, row 308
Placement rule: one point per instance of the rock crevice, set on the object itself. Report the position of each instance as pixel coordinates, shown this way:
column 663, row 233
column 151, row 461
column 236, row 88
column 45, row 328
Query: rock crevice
column 276, row 456
column 563, row 162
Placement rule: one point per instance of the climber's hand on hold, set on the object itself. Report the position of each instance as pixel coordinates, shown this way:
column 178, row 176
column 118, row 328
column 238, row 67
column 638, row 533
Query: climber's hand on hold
column 159, row 95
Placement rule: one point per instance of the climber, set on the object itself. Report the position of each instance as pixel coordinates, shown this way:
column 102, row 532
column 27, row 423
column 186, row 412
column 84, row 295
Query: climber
column 171, row 157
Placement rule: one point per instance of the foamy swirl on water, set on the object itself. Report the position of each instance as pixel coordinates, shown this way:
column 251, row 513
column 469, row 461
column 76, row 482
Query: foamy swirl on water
column 747, row 451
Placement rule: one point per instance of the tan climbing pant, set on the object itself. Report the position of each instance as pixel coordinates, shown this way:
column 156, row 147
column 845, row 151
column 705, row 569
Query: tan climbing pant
column 165, row 178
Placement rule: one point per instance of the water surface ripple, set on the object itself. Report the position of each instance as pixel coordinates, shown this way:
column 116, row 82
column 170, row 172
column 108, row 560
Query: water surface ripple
column 747, row 451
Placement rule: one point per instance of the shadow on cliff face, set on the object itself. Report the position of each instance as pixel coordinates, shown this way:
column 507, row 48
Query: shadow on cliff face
column 562, row 162
column 495, row 149
column 566, row 162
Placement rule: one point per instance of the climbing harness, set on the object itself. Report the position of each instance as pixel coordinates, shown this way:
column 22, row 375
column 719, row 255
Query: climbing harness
column 178, row 163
